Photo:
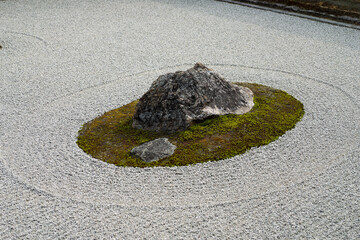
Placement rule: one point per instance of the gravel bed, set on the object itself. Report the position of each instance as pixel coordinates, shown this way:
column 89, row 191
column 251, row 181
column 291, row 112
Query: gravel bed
column 65, row 62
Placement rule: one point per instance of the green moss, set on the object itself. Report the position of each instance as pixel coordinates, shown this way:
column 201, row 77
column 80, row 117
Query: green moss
column 110, row 137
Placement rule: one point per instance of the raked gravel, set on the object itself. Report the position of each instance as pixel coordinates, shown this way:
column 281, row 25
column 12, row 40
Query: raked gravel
column 65, row 62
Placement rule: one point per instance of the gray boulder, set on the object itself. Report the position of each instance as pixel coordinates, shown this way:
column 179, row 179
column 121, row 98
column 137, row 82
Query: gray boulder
column 154, row 150
column 175, row 100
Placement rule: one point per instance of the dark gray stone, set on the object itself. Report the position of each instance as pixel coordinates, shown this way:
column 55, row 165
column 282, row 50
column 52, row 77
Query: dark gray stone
column 175, row 100
column 154, row 150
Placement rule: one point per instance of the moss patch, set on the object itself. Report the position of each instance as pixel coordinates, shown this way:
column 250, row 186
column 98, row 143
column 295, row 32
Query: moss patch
column 110, row 137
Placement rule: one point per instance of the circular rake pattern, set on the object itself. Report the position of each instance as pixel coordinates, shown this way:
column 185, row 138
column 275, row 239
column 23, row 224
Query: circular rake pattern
column 20, row 45
column 44, row 156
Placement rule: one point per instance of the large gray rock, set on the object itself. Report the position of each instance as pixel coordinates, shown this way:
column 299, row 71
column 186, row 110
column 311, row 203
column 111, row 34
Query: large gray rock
column 175, row 100
column 154, row 150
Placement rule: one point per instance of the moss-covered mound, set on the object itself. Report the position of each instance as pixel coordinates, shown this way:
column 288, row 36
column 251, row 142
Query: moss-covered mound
column 110, row 137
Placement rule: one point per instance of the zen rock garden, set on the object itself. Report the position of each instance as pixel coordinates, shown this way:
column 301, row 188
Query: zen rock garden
column 189, row 117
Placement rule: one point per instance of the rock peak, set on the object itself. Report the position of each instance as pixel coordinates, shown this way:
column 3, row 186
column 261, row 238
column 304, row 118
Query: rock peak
column 198, row 66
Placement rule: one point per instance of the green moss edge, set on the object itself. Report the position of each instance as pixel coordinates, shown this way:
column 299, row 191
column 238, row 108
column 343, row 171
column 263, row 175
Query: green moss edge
column 110, row 136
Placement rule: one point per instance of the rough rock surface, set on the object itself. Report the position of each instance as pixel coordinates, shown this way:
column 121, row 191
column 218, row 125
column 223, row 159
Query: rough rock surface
column 154, row 150
column 175, row 100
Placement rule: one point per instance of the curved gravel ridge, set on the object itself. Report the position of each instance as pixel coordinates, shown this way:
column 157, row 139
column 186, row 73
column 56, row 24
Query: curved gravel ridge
column 59, row 74
column 52, row 132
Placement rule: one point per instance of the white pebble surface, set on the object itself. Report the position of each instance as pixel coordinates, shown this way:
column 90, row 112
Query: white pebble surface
column 65, row 62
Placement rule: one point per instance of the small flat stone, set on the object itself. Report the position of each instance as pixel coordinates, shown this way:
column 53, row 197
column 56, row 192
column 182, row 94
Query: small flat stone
column 154, row 150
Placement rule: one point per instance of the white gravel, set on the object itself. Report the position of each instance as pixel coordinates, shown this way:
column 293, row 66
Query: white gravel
column 65, row 62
